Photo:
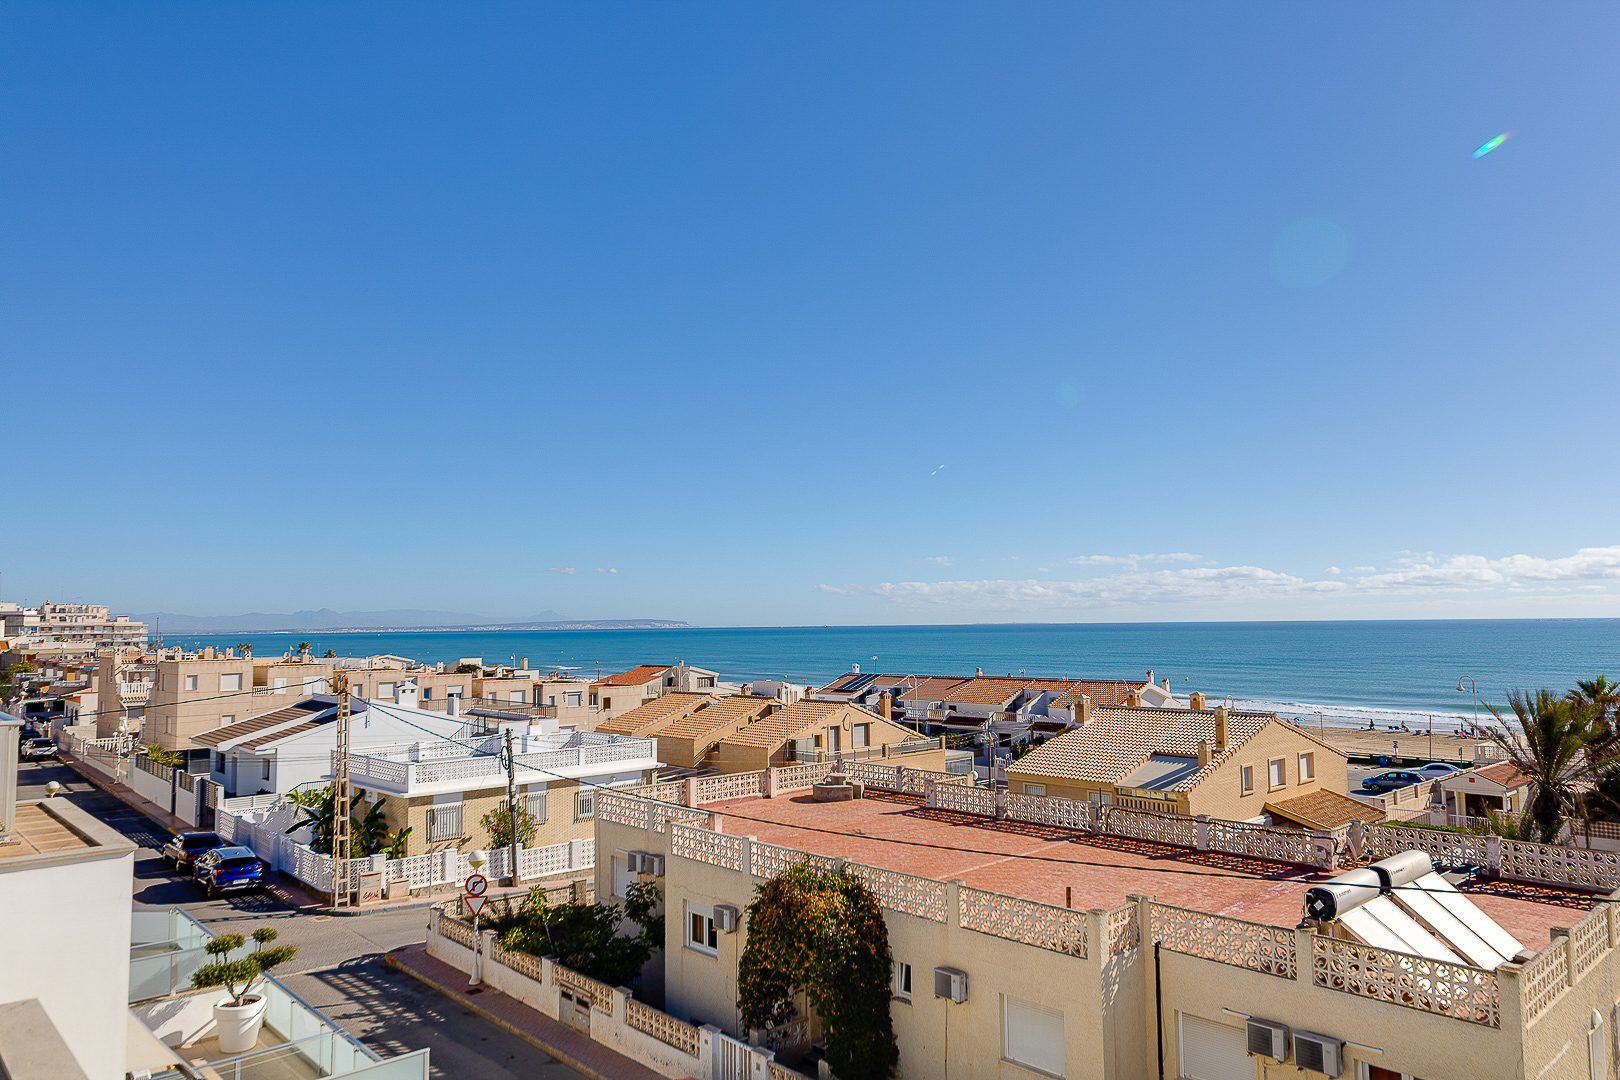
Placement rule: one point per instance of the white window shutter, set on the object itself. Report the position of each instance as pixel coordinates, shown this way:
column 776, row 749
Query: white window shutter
column 1211, row 1051
column 1033, row 1035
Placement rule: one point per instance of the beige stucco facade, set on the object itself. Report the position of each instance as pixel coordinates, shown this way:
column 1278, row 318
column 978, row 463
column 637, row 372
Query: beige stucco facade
column 562, row 823
column 190, row 697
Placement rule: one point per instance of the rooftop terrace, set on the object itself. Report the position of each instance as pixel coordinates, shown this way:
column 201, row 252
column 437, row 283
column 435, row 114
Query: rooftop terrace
column 1040, row 862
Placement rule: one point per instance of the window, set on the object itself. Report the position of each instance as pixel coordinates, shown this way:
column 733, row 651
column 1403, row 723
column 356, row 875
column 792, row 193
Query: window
column 227, row 720
column 669, row 681
column 191, row 682
column 1034, row 789
column 1276, row 773
column 1307, row 767
column 281, row 687
column 705, row 682
column 385, row 689
column 1246, row 779
column 902, row 981
column 551, row 699
column 231, row 682
column 444, row 819
column 700, row 932
column 593, row 701
column 607, row 703
column 267, row 776
column 314, row 685
column 219, row 762
column 573, row 699
column 516, row 697
column 1211, row 1051
column 863, row 734
column 1032, row 1035
column 585, row 804
column 427, row 693
column 535, row 801
column 832, row 740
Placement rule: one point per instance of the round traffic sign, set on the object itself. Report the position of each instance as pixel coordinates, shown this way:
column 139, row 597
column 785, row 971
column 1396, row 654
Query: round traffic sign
column 476, row 884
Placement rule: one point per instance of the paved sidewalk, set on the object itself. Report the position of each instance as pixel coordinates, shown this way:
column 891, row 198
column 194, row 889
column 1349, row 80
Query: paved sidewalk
column 562, row 1042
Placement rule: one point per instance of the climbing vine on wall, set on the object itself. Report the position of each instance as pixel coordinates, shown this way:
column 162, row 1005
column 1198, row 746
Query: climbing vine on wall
column 823, row 933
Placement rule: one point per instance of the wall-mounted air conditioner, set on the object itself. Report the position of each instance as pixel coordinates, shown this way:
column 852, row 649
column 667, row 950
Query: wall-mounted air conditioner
column 726, row 917
column 652, row 863
column 1268, row 1039
column 637, row 861
column 950, row 983
column 1322, row 1053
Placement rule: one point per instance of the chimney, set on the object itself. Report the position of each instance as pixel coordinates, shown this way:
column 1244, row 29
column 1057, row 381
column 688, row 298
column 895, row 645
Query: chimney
column 1133, row 698
column 978, row 672
column 1150, row 676
column 1197, row 700
column 1203, row 753
column 1082, row 710
column 208, row 653
column 884, row 705
column 1167, row 682
column 747, row 688
column 1220, row 728
column 523, row 664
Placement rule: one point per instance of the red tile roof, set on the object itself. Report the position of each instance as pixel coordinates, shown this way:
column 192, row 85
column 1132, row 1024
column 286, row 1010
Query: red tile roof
column 639, row 675
column 1505, row 773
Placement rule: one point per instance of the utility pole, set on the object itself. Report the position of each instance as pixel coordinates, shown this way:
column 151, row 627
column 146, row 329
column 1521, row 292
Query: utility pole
column 341, row 838
column 511, row 808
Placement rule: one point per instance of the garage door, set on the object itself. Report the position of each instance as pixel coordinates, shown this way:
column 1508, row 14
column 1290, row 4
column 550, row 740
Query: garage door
column 1211, row 1051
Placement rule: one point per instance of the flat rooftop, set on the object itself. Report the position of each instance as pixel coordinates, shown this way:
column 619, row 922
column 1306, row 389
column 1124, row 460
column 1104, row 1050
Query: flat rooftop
column 54, row 830
column 1038, row 862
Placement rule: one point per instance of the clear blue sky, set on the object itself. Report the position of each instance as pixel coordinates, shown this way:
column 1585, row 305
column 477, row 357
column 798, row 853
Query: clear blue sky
column 806, row 313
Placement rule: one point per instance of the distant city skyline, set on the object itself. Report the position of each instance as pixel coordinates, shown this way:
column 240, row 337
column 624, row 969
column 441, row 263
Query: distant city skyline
column 806, row 315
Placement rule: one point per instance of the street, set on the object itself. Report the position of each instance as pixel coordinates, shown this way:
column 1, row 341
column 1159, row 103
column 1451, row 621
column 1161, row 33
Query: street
column 339, row 968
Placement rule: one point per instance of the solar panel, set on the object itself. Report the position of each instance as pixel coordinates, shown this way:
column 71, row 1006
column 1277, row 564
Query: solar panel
column 1483, row 926
column 1457, row 934
column 1380, row 920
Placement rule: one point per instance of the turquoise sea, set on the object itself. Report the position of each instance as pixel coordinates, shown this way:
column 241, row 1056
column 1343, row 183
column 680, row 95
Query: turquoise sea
column 1350, row 670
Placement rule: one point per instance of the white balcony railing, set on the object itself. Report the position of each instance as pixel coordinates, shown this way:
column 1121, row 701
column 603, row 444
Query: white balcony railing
column 403, row 769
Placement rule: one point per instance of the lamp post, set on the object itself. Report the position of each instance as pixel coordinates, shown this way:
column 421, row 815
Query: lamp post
column 476, row 860
column 1475, row 687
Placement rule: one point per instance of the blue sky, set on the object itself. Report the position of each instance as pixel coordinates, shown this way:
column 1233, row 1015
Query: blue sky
column 807, row 313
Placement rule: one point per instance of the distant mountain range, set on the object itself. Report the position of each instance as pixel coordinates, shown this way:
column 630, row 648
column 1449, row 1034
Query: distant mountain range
column 398, row 619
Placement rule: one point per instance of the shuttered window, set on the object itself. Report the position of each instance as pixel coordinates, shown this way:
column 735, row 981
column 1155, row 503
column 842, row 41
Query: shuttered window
column 1033, row 1035
column 1211, row 1051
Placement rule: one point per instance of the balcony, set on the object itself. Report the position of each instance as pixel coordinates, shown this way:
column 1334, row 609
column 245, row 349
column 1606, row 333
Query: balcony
column 425, row 769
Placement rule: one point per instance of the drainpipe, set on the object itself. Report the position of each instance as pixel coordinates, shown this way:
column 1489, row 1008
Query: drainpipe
column 1158, row 1007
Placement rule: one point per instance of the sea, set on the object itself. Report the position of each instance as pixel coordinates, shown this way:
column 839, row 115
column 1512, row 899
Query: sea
column 1347, row 673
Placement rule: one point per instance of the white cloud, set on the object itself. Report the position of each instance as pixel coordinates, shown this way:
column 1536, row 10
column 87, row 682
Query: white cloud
column 1430, row 571
column 563, row 570
column 1334, row 570
column 1134, row 560
column 1145, row 587
column 606, row 570
column 940, row 560
column 1363, row 569
column 1043, row 570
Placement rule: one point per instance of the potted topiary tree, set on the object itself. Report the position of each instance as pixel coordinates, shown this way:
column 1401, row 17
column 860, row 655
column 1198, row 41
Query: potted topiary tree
column 237, row 1019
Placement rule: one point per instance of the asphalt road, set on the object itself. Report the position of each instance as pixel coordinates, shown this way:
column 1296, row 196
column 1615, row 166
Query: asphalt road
column 339, row 967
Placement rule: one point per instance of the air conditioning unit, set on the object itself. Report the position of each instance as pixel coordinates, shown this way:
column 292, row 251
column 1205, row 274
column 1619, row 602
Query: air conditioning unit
column 637, row 861
column 726, row 917
column 652, row 863
column 1320, row 1053
column 1268, row 1039
column 950, row 983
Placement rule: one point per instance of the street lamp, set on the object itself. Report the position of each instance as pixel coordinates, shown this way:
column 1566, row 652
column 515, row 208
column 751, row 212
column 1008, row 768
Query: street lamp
column 476, row 859
column 1470, row 680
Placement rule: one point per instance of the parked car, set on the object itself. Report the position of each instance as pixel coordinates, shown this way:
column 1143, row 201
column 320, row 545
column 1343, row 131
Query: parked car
column 1389, row 781
column 1438, row 770
column 228, row 869
column 183, row 849
column 35, row 749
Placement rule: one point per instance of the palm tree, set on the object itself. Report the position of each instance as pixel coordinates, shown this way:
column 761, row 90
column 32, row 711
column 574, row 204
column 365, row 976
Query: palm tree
column 245, row 648
column 1602, row 698
column 304, row 647
column 1547, row 746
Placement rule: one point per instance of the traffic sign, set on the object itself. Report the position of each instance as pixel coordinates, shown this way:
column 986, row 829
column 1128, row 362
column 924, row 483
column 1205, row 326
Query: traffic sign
column 474, row 903
column 477, row 884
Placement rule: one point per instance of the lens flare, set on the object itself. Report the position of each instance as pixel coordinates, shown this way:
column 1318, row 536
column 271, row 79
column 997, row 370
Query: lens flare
column 1492, row 145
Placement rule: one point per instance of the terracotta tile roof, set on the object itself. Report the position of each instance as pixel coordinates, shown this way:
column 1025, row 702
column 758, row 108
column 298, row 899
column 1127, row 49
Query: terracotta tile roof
column 787, row 723
column 1505, row 773
column 932, row 688
column 987, row 690
column 1119, row 739
column 259, row 723
column 1100, row 691
column 725, row 711
column 645, row 716
column 1324, row 810
column 636, row 676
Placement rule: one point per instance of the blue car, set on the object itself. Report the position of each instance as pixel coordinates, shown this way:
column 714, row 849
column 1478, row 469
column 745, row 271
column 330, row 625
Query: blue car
column 228, row 869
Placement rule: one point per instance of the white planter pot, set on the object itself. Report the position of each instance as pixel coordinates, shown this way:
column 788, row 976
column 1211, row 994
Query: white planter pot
column 238, row 1025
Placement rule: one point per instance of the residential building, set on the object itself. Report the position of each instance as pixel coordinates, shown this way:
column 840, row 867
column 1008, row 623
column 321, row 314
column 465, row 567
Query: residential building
column 293, row 676
column 631, row 689
column 819, row 731
column 1321, row 809
column 1184, row 761
column 196, row 692
column 72, row 628
column 1501, row 788
column 124, row 679
column 1043, row 938
column 441, row 789
column 690, row 727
